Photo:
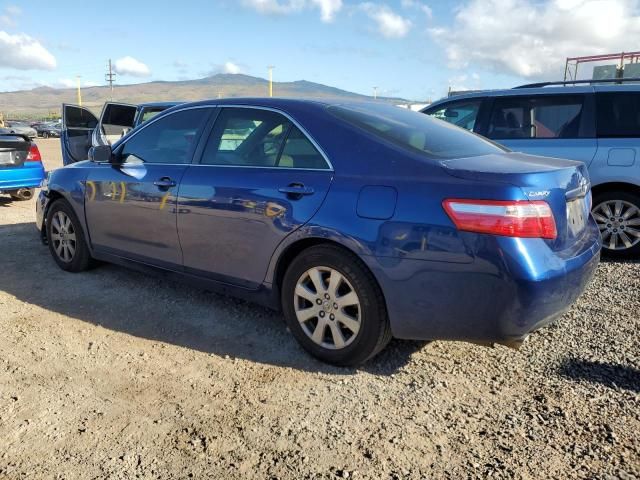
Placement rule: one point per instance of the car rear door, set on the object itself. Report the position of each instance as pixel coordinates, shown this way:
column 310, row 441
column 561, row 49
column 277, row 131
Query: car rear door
column 259, row 178
column 78, row 124
column 559, row 125
column 130, row 203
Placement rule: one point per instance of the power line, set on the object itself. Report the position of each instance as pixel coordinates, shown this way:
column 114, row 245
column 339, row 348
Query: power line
column 110, row 77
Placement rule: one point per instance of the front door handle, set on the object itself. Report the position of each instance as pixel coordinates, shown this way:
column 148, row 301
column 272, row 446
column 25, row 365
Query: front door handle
column 296, row 190
column 165, row 182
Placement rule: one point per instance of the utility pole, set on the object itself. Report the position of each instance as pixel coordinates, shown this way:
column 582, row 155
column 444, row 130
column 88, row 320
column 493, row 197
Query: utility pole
column 79, row 94
column 375, row 92
column 110, row 77
column 271, row 67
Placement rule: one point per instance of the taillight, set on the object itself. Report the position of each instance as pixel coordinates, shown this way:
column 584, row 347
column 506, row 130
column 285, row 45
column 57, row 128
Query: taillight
column 516, row 218
column 34, row 154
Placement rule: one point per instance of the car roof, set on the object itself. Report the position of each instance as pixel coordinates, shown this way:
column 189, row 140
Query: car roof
column 284, row 102
column 547, row 90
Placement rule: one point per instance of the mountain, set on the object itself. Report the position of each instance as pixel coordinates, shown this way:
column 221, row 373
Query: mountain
column 46, row 100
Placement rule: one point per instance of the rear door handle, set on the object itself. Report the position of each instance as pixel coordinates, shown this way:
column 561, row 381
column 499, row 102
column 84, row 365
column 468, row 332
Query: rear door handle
column 165, row 182
column 297, row 190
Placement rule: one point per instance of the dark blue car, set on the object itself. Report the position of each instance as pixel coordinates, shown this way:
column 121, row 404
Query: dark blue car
column 360, row 221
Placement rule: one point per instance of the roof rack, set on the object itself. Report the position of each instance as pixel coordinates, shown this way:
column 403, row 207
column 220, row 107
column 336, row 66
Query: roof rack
column 573, row 82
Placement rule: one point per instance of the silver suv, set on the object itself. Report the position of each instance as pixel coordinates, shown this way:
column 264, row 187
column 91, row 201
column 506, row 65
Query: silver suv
column 596, row 124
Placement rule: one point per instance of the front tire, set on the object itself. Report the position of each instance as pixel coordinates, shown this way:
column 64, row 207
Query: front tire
column 66, row 239
column 617, row 214
column 334, row 307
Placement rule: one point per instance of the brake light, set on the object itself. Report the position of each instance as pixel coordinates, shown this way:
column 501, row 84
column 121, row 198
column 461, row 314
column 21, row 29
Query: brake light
column 34, row 154
column 516, row 218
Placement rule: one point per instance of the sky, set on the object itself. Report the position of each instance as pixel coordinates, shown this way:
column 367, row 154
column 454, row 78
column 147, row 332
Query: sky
column 414, row 49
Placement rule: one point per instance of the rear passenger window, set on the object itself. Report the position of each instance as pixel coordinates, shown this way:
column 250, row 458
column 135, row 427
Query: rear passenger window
column 556, row 116
column 462, row 114
column 251, row 137
column 618, row 114
column 299, row 152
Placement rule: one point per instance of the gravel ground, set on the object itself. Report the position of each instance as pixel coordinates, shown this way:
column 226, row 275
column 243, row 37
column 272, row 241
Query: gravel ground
column 113, row 374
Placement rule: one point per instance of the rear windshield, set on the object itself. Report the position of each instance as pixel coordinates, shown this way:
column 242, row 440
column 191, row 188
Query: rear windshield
column 415, row 131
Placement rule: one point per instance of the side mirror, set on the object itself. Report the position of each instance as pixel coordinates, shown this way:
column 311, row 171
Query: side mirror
column 101, row 153
column 448, row 113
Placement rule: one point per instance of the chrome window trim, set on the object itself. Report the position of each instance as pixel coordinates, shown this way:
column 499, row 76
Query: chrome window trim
column 292, row 120
column 255, row 107
column 261, row 167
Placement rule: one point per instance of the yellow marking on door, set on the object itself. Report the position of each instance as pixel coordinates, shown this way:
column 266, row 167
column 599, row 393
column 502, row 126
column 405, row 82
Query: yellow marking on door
column 164, row 200
column 92, row 185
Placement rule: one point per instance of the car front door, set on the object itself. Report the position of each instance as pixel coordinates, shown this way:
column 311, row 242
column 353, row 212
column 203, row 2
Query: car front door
column 560, row 126
column 116, row 120
column 259, row 178
column 131, row 202
column 78, row 124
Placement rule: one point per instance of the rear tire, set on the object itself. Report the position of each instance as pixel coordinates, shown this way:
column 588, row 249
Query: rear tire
column 66, row 239
column 45, row 135
column 334, row 307
column 618, row 216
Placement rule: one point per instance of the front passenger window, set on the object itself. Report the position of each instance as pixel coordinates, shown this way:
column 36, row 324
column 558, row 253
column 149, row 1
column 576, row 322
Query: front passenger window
column 168, row 140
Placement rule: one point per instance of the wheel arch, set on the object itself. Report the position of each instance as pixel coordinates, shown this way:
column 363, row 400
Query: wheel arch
column 615, row 187
column 295, row 248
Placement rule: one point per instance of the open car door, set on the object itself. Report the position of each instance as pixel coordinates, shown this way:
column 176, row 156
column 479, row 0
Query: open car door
column 116, row 120
column 78, row 124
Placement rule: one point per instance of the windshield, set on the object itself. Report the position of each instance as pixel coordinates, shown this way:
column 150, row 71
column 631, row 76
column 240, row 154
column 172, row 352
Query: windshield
column 415, row 131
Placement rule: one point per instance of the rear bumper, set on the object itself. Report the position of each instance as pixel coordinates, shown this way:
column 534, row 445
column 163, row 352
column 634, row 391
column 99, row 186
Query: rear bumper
column 513, row 287
column 28, row 176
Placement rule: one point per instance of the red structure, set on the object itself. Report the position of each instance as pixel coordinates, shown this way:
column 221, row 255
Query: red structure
column 572, row 63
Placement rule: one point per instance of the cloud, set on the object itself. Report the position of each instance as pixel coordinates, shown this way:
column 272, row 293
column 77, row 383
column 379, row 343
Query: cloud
column 465, row 82
column 226, row 67
column 230, row 67
column 532, row 38
column 9, row 14
column 426, row 9
column 130, row 66
column 328, row 8
column 389, row 23
column 13, row 10
column 275, row 7
column 22, row 52
column 71, row 83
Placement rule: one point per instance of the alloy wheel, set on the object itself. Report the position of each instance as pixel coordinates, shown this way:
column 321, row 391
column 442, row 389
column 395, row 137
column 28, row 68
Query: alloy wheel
column 619, row 224
column 63, row 236
column 327, row 307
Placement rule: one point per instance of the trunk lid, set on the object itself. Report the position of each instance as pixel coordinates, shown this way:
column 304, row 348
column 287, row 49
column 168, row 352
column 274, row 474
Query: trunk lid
column 563, row 184
column 13, row 150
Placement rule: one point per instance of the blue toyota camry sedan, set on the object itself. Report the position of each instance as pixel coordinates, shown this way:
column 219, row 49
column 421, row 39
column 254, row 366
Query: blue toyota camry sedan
column 360, row 221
